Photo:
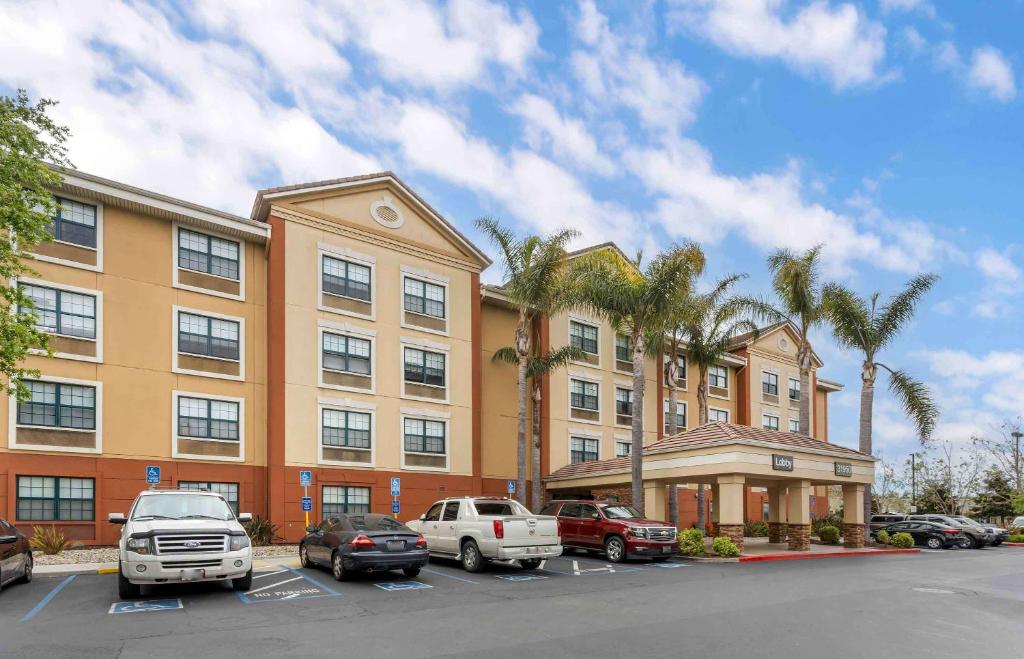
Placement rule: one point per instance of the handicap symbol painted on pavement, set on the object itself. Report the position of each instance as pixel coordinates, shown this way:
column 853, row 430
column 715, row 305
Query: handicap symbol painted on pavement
column 402, row 585
column 146, row 605
column 667, row 565
column 519, row 577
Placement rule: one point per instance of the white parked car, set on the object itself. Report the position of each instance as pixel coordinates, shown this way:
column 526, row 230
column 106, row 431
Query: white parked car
column 176, row 536
column 475, row 530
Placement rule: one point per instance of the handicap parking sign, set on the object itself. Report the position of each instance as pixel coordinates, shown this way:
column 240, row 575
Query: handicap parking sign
column 305, row 478
column 396, row 486
column 146, row 605
column 395, row 508
column 307, row 504
column 511, row 487
column 153, row 475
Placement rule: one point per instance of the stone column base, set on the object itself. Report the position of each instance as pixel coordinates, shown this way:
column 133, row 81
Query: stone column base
column 799, row 537
column 853, row 535
column 714, row 529
column 732, row 531
column 776, row 532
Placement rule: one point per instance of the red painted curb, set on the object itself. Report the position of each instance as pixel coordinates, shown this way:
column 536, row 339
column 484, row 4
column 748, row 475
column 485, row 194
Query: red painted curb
column 839, row 554
column 1014, row 544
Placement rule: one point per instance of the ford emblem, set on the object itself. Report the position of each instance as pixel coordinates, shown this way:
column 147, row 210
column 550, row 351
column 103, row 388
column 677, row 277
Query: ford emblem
column 192, row 544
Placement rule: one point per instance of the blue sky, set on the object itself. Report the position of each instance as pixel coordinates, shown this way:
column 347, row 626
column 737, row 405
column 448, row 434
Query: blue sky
column 890, row 130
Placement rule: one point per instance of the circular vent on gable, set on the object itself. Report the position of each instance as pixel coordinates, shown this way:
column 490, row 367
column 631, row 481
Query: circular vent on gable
column 783, row 344
column 386, row 213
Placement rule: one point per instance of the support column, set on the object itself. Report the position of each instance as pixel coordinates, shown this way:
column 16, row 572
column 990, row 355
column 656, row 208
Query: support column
column 715, row 507
column 799, row 516
column 654, row 501
column 731, row 492
column 853, row 515
column 777, row 514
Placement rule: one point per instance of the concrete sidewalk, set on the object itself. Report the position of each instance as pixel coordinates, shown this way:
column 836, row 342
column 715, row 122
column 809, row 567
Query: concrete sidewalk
column 258, row 565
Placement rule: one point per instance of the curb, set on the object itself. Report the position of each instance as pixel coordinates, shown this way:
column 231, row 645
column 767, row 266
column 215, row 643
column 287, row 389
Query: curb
column 1013, row 544
column 840, row 554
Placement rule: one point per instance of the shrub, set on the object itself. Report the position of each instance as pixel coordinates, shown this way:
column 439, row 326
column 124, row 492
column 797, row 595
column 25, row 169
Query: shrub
column 829, row 535
column 691, row 542
column 902, row 540
column 50, row 541
column 882, row 537
column 725, row 547
column 261, row 531
column 753, row 528
column 832, row 519
column 1016, row 537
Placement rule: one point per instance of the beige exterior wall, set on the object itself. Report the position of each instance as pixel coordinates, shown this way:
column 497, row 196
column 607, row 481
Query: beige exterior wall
column 776, row 353
column 686, row 393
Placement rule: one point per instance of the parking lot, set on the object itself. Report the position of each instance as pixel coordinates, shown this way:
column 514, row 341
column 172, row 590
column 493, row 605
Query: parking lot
column 929, row 604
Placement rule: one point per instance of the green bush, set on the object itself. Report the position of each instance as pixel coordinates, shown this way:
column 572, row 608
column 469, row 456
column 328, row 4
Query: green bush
column 725, row 547
column 832, row 519
column 755, row 528
column 829, row 535
column 50, row 540
column 902, row 541
column 1016, row 537
column 882, row 537
column 691, row 542
column 261, row 531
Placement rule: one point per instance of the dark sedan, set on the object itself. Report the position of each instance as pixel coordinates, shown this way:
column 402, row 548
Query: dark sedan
column 15, row 555
column 363, row 543
column 930, row 534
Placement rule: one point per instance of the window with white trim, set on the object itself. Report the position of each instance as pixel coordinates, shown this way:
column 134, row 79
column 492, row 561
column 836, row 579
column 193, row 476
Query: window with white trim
column 583, row 336
column 622, row 448
column 346, row 429
column 583, row 395
column 207, row 336
column 623, row 401
column 769, row 422
column 61, row 312
column 623, row 348
column 794, row 425
column 345, row 500
column 680, row 415
column 680, row 370
column 345, row 278
column 58, row 405
column 769, row 383
column 208, row 418
column 227, row 490
column 347, row 354
column 583, row 449
column 211, row 255
column 74, row 223
column 424, row 367
column 718, row 376
column 55, row 499
column 424, row 298
column 425, row 436
column 794, row 389
column 718, row 415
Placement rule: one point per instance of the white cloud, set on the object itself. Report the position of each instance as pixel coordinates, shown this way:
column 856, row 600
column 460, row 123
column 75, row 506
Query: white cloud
column 992, row 74
column 913, row 39
column 923, row 6
column 568, row 138
column 838, row 43
column 999, row 269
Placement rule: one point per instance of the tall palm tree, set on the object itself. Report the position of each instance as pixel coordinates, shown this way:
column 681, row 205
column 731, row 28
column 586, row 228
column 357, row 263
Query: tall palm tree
column 536, row 368
column 861, row 325
column 796, row 279
column 635, row 301
column 709, row 324
column 534, row 286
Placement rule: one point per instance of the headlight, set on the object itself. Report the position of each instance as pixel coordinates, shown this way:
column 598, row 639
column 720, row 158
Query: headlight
column 638, row 532
column 140, row 545
column 239, row 542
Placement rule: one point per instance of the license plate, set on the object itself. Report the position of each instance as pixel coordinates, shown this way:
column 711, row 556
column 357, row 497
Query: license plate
column 666, row 550
column 396, row 545
column 193, row 574
column 533, row 550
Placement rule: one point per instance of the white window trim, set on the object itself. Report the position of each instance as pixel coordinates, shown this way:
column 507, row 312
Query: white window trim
column 175, row 268
column 568, row 445
column 98, row 359
column 430, row 278
column 619, row 439
column 353, row 332
column 686, row 413
column 206, row 374
column 345, row 406
column 790, row 379
column 615, row 409
column 175, row 453
column 422, row 344
column 345, row 254
column 426, row 415
column 685, row 379
column 728, row 385
column 99, row 239
column 615, row 361
column 778, row 382
column 572, row 318
column 719, row 409
column 789, row 425
column 765, row 415
column 13, row 425
column 569, row 408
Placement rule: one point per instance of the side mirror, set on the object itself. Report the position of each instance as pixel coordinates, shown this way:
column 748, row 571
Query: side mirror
column 244, row 518
column 595, row 516
column 117, row 518
column 423, row 517
column 311, row 529
column 8, row 539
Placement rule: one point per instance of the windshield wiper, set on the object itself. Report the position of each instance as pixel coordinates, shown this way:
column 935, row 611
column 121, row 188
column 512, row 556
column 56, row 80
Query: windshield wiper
column 219, row 519
column 141, row 517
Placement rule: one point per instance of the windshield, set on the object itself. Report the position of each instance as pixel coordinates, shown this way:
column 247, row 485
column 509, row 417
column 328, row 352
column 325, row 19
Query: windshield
column 967, row 520
column 182, row 506
column 619, row 511
column 500, row 508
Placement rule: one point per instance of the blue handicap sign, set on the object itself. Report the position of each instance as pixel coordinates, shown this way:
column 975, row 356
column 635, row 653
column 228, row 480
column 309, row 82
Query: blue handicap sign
column 153, row 475
column 396, row 507
column 520, row 577
column 396, row 486
column 307, row 504
column 402, row 585
column 511, row 487
column 146, row 605
column 305, row 478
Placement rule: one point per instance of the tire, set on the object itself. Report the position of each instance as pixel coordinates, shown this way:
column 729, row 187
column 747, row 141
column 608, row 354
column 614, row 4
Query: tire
column 242, row 583
column 304, row 557
column 411, row 572
column 530, row 563
column 615, row 549
column 933, row 543
column 970, row 543
column 472, row 561
column 27, row 577
column 997, row 543
column 127, row 590
column 338, row 567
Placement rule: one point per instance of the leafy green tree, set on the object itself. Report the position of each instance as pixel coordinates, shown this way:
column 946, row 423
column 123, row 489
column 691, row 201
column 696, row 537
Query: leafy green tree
column 996, row 496
column 28, row 140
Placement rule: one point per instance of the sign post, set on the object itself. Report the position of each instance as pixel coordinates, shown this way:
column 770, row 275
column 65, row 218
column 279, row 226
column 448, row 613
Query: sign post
column 152, row 476
column 396, row 491
column 305, row 480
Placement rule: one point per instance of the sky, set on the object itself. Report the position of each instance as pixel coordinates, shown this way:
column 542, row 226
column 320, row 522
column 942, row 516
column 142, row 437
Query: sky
column 889, row 130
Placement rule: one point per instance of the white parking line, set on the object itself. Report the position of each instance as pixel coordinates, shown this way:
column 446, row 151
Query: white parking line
column 449, row 576
column 273, row 585
column 268, row 574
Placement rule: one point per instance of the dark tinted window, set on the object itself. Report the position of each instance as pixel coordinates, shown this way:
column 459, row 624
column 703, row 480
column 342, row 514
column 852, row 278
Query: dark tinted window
column 588, row 511
column 389, row 524
column 496, row 508
column 549, row 509
column 570, row 510
column 451, row 512
column 434, row 513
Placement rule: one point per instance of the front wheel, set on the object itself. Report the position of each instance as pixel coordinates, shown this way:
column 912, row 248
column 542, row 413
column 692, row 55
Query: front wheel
column 472, row 561
column 127, row 590
column 968, row 542
column 243, row 583
column 304, row 557
column 26, row 576
column 338, row 567
column 411, row 572
column 615, row 549
column 530, row 563
column 934, row 543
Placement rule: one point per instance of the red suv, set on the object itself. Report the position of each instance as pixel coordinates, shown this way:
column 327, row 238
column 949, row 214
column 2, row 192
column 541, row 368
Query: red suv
column 613, row 527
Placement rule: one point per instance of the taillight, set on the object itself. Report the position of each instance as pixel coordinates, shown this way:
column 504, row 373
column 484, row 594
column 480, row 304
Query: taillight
column 363, row 542
column 951, row 531
column 499, row 529
column 421, row 542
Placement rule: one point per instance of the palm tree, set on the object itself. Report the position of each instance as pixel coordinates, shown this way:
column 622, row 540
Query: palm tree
column 710, row 322
column 537, row 367
column 796, row 280
column 861, row 325
column 534, row 268
column 637, row 303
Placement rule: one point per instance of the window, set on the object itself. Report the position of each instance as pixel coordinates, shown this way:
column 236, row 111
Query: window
column 58, row 405
column 75, row 223
column 434, row 514
column 680, row 415
column 203, row 253
column 424, row 436
column 227, row 490
column 623, row 348
column 345, row 429
column 583, row 336
column 622, row 448
column 583, row 395
column 341, row 500
column 47, row 499
column 570, row 510
column 451, row 511
column 208, row 337
column 718, row 376
column 623, row 401
column 204, row 418
column 794, row 425
column 769, row 422
column 582, row 449
column 346, row 278
column 423, row 367
column 346, row 353
column 62, row 312
column 680, row 370
column 794, row 389
column 718, row 415
column 424, row 298
column 769, row 383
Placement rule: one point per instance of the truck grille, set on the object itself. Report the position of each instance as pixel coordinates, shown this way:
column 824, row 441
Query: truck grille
column 190, row 544
column 662, row 534
column 177, row 565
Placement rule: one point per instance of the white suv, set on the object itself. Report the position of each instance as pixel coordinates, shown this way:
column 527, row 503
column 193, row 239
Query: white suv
column 180, row 536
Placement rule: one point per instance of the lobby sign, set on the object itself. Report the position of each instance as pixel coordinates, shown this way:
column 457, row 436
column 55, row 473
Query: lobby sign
column 782, row 462
column 844, row 469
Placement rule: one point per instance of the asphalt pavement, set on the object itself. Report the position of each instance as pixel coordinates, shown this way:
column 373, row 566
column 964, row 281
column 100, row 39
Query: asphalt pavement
column 934, row 604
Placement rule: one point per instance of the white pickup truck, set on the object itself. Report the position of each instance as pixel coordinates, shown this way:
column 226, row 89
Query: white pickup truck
column 476, row 530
